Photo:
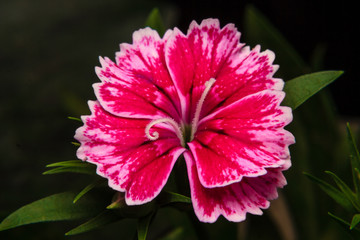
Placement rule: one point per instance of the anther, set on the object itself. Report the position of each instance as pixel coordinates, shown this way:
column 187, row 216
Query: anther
column 199, row 105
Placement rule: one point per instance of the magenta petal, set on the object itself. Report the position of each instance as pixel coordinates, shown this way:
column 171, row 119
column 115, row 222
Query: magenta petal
column 124, row 155
column 242, row 139
column 233, row 201
column 245, row 72
column 138, row 85
column 207, row 47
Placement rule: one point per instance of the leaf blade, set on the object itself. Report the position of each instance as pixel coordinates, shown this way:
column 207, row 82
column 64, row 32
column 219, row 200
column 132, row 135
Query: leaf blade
column 167, row 197
column 354, row 158
column 334, row 193
column 355, row 221
column 87, row 189
column 104, row 218
column 301, row 88
column 155, row 21
column 56, row 207
column 143, row 226
column 345, row 225
column 75, row 166
column 349, row 194
column 83, row 170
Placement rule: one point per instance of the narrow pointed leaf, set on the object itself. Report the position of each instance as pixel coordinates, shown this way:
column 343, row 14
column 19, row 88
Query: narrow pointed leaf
column 74, row 118
column 299, row 89
column 355, row 220
column 76, row 144
column 346, row 226
column 334, row 193
column 71, row 163
column 355, row 175
column 143, row 226
column 345, row 189
column 341, row 221
column 74, row 166
column 155, row 21
column 56, row 207
column 171, row 197
column 116, row 205
column 353, row 148
column 354, row 158
column 84, row 170
column 87, row 189
column 104, row 218
column 174, row 234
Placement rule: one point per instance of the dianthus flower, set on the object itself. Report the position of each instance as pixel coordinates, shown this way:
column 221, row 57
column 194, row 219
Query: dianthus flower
column 203, row 95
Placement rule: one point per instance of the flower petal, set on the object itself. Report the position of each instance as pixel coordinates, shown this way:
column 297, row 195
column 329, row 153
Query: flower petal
column 138, row 85
column 245, row 72
column 242, row 139
column 124, row 155
column 233, row 201
column 206, row 47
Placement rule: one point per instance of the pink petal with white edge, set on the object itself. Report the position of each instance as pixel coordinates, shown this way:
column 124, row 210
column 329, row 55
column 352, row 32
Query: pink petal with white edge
column 233, row 201
column 124, row 155
column 217, row 53
column 207, row 48
column 246, row 72
column 242, row 140
column 138, row 85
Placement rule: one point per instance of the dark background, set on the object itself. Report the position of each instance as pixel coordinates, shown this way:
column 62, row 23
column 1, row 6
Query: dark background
column 48, row 51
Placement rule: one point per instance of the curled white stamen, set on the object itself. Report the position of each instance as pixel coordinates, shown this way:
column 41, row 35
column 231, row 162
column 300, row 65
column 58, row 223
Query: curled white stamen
column 195, row 121
column 171, row 122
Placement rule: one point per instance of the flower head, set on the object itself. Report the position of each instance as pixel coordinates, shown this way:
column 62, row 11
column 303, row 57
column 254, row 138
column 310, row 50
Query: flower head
column 203, row 95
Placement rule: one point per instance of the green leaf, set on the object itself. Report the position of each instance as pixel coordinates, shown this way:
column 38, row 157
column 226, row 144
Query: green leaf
column 299, row 89
column 353, row 148
column 104, row 218
column 87, row 189
column 74, row 166
column 345, row 225
column 259, row 30
column 355, row 220
column 167, row 197
column 334, row 193
column 74, row 118
column 173, row 234
column 76, row 144
column 339, row 220
column 90, row 171
column 345, row 189
column 143, row 226
column 56, row 207
column 71, row 163
column 354, row 159
column 155, row 21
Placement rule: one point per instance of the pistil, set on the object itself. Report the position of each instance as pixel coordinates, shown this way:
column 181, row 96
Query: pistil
column 199, row 105
column 169, row 121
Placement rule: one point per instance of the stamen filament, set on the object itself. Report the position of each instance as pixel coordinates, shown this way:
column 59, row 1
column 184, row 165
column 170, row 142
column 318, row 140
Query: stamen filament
column 199, row 105
column 155, row 135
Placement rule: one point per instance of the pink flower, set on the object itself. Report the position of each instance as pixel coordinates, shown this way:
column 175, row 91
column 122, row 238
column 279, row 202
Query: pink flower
column 202, row 95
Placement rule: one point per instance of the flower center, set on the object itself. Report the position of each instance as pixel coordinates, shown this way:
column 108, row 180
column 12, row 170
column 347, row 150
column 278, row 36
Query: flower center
column 184, row 133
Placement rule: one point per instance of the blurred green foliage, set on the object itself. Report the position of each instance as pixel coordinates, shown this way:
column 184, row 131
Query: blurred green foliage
column 48, row 52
